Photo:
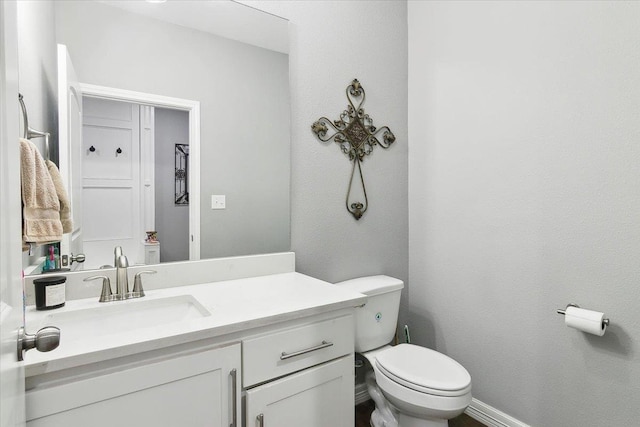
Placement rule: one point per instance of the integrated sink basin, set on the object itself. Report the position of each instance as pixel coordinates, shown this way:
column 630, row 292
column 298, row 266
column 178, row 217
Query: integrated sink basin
column 124, row 316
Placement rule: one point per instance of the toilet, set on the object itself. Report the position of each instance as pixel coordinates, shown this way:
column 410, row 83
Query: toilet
column 412, row 386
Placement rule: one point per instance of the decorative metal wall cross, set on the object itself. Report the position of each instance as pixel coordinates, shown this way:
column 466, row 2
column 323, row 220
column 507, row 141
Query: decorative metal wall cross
column 356, row 135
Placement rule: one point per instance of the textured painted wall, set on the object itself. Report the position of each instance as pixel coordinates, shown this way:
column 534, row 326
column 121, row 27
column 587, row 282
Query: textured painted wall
column 172, row 222
column 524, row 122
column 38, row 77
column 333, row 42
column 38, row 66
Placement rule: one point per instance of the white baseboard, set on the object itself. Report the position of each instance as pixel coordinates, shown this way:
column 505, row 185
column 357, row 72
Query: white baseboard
column 362, row 395
column 479, row 411
column 490, row 416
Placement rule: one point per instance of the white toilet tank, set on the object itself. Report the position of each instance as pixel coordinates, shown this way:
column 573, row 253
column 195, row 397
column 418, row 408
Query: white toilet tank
column 376, row 322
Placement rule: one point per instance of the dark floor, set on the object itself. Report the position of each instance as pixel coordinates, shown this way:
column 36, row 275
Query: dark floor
column 364, row 410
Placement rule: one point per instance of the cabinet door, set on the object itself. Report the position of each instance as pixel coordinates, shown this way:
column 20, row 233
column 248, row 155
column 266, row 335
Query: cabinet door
column 316, row 397
column 193, row 390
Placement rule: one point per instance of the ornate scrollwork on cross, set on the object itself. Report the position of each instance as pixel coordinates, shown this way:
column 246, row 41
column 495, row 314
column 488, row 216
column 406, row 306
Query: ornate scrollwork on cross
column 356, row 135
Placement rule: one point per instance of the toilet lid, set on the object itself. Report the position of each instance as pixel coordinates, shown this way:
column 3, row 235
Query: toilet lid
column 424, row 370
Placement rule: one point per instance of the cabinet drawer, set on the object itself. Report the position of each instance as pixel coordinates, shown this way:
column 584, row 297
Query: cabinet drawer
column 282, row 352
column 321, row 396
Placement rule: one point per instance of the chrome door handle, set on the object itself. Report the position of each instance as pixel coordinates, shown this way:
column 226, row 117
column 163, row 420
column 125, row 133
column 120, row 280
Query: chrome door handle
column 46, row 339
column 260, row 419
column 80, row 258
column 324, row 344
column 234, row 398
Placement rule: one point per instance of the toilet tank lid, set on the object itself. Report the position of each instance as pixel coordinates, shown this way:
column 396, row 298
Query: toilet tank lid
column 373, row 285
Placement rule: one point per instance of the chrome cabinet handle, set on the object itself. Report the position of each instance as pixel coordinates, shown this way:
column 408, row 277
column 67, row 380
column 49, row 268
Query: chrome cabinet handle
column 234, row 399
column 260, row 419
column 324, row 344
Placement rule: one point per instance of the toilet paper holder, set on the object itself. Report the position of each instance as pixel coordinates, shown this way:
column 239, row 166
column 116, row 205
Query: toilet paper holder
column 563, row 312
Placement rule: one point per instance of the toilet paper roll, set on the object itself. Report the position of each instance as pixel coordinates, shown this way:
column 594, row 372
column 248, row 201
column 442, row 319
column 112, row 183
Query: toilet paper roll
column 585, row 320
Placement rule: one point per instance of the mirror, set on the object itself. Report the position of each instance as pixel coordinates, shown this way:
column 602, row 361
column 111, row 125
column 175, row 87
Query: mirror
column 228, row 57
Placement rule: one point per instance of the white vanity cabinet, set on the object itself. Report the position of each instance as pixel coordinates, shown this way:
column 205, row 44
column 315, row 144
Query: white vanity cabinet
column 287, row 340
column 320, row 396
column 301, row 376
column 201, row 388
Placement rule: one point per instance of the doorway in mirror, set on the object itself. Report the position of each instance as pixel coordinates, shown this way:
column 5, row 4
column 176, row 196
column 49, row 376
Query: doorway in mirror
column 128, row 177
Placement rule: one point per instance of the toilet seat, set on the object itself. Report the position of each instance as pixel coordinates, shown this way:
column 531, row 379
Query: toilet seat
column 418, row 404
column 424, row 370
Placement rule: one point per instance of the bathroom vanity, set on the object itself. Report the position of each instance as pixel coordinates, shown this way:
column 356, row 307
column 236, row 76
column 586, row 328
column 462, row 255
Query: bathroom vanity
column 272, row 350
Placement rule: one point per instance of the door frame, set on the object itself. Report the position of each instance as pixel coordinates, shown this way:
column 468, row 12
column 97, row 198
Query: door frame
column 12, row 405
column 193, row 108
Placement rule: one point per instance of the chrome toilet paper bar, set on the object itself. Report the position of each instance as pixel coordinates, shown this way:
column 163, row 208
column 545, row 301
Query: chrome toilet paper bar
column 563, row 312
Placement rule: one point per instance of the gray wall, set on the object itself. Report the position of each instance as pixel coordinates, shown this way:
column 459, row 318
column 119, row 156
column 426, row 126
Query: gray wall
column 38, row 75
column 37, row 55
column 333, row 42
column 172, row 222
column 243, row 94
column 524, row 125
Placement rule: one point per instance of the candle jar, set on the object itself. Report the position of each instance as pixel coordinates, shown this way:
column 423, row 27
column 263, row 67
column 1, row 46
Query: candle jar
column 50, row 292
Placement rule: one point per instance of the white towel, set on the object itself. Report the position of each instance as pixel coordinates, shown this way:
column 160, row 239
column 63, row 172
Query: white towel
column 40, row 203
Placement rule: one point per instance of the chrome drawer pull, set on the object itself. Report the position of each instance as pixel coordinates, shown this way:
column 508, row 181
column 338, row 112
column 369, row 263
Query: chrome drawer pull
column 260, row 419
column 234, row 398
column 324, row 344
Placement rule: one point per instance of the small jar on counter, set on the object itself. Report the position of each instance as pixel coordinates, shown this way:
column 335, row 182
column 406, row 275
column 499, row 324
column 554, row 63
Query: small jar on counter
column 50, row 292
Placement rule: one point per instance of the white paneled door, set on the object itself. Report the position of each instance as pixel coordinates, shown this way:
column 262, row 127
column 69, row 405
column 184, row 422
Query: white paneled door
column 11, row 318
column 111, row 193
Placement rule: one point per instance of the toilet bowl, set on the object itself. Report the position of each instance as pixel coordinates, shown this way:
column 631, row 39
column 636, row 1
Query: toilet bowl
column 412, row 386
column 426, row 388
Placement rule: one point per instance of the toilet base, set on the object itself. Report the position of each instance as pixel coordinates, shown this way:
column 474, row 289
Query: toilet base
column 379, row 418
column 405, row 420
column 386, row 415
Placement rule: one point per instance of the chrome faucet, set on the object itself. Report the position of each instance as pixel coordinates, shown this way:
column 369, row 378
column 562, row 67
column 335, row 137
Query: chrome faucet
column 117, row 253
column 122, row 280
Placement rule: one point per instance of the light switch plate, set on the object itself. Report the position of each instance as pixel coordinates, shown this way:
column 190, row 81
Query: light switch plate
column 218, row 202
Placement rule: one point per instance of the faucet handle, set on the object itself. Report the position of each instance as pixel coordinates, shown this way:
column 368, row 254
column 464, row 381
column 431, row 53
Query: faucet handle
column 137, row 283
column 105, row 295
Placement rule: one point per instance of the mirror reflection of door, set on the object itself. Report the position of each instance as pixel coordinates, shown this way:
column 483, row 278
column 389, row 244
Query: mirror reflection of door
column 70, row 154
column 128, row 182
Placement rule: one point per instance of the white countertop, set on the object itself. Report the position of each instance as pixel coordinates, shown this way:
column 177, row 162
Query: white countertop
column 235, row 306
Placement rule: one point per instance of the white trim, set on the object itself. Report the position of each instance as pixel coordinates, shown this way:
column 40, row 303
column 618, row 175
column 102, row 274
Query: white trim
column 479, row 411
column 147, row 155
column 194, row 182
column 193, row 107
column 181, row 273
column 490, row 416
column 362, row 393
